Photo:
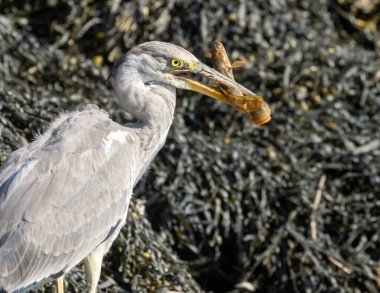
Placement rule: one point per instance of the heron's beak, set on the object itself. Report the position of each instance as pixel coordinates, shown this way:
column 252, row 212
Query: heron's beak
column 245, row 101
column 216, row 78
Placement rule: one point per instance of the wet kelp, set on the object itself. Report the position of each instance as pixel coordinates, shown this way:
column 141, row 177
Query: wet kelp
column 292, row 206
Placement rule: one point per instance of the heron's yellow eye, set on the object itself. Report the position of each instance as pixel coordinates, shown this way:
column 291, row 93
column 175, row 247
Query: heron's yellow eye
column 175, row 62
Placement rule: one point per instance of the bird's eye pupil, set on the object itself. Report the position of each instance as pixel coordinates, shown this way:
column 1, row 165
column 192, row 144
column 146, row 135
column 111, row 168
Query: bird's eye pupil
column 176, row 62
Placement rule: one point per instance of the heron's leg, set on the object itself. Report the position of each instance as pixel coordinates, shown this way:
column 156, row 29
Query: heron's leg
column 92, row 266
column 59, row 284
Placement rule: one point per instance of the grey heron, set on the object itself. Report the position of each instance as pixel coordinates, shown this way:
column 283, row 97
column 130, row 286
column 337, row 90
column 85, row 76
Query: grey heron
column 64, row 197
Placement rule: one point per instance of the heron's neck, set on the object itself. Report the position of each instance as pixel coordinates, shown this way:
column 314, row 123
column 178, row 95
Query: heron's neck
column 152, row 104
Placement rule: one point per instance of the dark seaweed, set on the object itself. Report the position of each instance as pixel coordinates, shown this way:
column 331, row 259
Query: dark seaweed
column 228, row 206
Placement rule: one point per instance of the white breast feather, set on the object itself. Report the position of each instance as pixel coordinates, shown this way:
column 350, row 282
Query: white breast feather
column 115, row 136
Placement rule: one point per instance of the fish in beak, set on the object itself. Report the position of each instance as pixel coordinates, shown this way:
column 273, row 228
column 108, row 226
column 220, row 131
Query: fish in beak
column 230, row 92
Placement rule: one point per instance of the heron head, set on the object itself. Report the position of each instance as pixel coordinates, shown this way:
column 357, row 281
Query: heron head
column 160, row 62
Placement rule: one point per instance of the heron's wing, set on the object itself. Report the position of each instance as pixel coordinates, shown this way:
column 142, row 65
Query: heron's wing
column 64, row 197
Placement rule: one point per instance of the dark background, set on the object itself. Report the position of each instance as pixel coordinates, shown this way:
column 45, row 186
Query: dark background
column 226, row 206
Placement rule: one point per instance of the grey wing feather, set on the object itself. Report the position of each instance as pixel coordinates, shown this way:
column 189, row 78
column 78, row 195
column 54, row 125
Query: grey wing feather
column 61, row 195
